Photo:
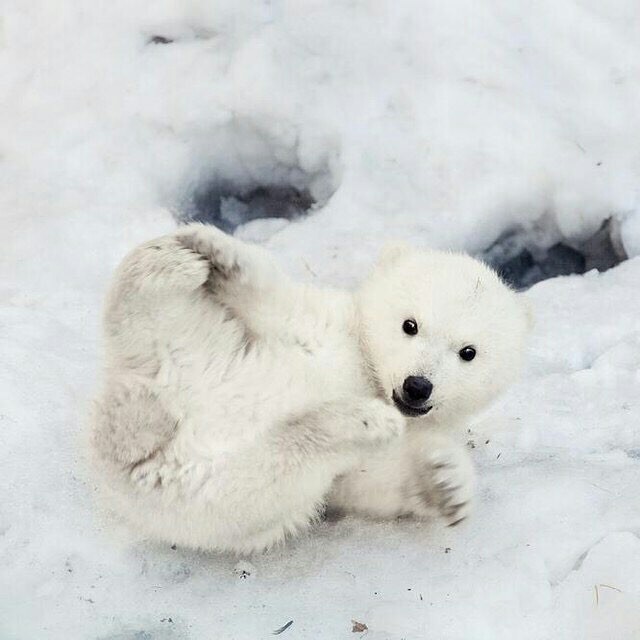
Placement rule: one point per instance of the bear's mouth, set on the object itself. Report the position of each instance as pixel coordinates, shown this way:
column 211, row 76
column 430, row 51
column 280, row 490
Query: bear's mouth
column 407, row 409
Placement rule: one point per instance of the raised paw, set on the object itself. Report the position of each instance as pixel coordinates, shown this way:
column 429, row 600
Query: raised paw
column 381, row 422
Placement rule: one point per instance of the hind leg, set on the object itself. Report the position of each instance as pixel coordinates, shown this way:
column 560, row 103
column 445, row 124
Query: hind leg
column 131, row 426
column 235, row 266
column 248, row 282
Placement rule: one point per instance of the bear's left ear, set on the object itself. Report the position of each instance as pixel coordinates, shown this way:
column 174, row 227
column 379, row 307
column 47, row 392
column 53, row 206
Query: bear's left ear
column 392, row 251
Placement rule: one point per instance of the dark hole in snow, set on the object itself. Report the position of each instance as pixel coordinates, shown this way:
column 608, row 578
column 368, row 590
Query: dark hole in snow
column 228, row 208
column 522, row 261
column 243, row 173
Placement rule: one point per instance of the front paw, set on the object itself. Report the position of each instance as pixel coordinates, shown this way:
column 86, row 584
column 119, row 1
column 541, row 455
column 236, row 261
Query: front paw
column 380, row 422
column 448, row 484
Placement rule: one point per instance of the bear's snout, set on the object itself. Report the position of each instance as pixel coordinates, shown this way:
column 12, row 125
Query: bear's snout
column 417, row 389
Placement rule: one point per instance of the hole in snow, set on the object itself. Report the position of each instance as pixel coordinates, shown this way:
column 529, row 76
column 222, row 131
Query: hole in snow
column 251, row 175
column 229, row 206
column 524, row 257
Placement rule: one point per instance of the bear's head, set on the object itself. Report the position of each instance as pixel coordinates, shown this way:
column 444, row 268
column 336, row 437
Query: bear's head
column 443, row 335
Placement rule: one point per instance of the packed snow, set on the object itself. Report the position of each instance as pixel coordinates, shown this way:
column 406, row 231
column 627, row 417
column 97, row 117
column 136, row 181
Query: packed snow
column 444, row 123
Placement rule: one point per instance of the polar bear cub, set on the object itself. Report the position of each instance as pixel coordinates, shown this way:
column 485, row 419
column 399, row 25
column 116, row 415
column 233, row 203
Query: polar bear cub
column 238, row 404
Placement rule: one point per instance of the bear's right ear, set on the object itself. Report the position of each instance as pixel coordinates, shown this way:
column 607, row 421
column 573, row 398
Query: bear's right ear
column 391, row 252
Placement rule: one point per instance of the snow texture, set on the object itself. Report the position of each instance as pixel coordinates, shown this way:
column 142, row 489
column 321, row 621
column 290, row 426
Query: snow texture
column 445, row 123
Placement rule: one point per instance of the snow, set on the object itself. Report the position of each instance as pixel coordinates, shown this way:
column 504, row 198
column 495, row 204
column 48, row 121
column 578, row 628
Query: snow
column 443, row 123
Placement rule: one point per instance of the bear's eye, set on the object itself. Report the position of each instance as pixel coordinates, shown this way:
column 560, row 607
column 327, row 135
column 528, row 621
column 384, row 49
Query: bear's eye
column 467, row 353
column 410, row 327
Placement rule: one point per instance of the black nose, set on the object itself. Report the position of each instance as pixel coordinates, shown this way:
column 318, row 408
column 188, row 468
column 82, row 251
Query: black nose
column 417, row 389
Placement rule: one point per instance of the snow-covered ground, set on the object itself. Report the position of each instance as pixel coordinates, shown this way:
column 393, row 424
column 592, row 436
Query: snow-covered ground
column 441, row 122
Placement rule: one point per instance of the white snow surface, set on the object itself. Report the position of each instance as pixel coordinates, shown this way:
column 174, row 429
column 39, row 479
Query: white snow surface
column 441, row 122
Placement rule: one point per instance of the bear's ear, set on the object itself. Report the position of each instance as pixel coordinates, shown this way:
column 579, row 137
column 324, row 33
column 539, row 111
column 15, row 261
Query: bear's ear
column 392, row 251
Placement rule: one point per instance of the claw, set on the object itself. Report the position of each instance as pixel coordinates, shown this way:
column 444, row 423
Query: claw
column 457, row 522
column 453, row 509
column 447, row 487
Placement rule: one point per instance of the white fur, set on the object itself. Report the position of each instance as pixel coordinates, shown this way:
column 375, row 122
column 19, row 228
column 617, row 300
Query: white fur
column 236, row 403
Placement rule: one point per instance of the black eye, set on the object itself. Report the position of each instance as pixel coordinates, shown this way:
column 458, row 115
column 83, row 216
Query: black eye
column 410, row 327
column 467, row 353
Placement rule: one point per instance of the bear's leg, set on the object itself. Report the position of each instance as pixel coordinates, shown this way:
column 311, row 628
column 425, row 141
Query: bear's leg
column 443, row 479
column 377, row 484
column 421, row 474
column 248, row 282
column 296, row 464
column 131, row 426
column 334, row 426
